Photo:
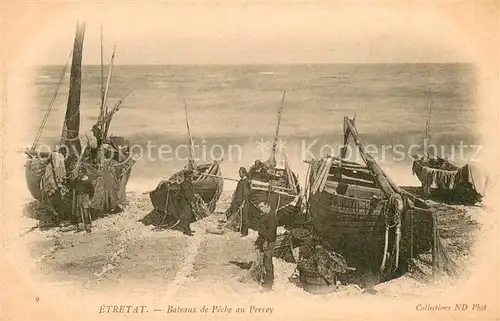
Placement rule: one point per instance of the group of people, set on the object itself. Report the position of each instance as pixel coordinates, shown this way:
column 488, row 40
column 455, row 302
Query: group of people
column 82, row 188
column 267, row 223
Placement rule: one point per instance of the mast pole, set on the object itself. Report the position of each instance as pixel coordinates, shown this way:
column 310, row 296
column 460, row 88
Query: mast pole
column 427, row 131
column 379, row 174
column 272, row 159
column 109, row 116
column 105, row 96
column 191, row 144
column 106, row 90
column 102, row 76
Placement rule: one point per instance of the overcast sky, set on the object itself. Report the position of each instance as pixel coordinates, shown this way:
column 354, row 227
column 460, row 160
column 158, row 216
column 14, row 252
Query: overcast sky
column 256, row 33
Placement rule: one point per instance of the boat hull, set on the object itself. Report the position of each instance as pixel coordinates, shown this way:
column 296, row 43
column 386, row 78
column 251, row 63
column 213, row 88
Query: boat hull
column 350, row 226
column 165, row 198
column 446, row 181
column 118, row 174
column 34, row 170
column 350, row 218
column 355, row 228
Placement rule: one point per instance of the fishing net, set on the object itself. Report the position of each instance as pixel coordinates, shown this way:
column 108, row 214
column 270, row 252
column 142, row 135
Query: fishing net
column 257, row 270
column 106, row 188
column 434, row 178
column 200, row 208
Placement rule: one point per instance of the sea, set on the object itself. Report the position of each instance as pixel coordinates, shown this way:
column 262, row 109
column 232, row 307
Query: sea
column 233, row 113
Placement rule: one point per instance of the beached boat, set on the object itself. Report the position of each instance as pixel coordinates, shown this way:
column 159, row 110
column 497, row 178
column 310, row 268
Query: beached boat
column 360, row 213
column 281, row 192
column 208, row 185
column 279, row 188
column 445, row 180
column 47, row 172
column 440, row 177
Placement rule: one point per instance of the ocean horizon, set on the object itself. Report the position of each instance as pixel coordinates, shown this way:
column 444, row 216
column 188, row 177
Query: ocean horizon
column 237, row 105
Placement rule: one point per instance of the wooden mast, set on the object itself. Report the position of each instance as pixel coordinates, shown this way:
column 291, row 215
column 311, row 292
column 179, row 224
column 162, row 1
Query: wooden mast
column 272, row 158
column 102, row 77
column 378, row 173
column 108, row 80
column 427, row 132
column 104, row 107
column 192, row 162
column 71, row 128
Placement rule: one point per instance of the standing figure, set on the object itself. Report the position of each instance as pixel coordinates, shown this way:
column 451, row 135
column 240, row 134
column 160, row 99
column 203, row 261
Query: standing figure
column 186, row 199
column 83, row 191
column 268, row 225
column 95, row 142
column 240, row 201
column 97, row 134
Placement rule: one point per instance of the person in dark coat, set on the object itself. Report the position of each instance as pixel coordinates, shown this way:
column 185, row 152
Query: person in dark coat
column 268, row 225
column 240, row 200
column 97, row 134
column 83, row 192
column 186, row 200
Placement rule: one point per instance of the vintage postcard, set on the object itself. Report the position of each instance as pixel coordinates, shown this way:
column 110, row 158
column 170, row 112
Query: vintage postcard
column 250, row 160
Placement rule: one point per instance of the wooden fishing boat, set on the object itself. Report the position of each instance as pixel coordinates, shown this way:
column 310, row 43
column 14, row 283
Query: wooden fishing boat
column 360, row 213
column 442, row 178
column 279, row 188
column 447, row 181
column 208, row 185
column 281, row 192
column 47, row 172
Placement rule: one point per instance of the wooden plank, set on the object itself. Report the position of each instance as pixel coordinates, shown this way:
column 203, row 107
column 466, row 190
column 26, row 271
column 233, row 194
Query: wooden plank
column 345, row 212
column 351, row 176
column 353, row 172
column 347, row 164
column 336, row 161
column 357, row 182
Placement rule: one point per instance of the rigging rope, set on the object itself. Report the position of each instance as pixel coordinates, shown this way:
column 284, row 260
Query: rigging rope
column 51, row 103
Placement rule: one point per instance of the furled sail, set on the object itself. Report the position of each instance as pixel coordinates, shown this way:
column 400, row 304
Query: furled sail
column 71, row 127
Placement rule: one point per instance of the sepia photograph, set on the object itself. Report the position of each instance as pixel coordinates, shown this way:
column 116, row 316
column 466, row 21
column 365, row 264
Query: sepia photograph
column 251, row 160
